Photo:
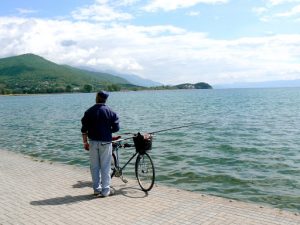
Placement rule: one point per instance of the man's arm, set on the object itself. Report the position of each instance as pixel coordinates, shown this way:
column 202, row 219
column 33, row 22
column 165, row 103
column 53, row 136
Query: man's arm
column 85, row 141
column 84, row 130
column 115, row 124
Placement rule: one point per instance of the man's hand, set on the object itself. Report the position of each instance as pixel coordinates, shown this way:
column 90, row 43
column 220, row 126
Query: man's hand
column 86, row 146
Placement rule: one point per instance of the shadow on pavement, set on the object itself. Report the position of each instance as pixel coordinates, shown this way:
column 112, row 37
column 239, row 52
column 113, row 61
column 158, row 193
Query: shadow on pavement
column 129, row 192
column 68, row 199
column 82, row 184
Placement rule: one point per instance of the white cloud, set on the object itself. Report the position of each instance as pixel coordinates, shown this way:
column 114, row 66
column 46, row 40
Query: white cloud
column 100, row 12
column 127, row 2
column 260, row 10
column 280, row 2
column 168, row 5
column 283, row 9
column 166, row 54
column 26, row 11
column 193, row 13
column 101, row 1
column 292, row 12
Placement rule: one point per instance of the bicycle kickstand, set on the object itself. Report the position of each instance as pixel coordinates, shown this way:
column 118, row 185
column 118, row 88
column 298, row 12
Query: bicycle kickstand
column 124, row 179
column 118, row 173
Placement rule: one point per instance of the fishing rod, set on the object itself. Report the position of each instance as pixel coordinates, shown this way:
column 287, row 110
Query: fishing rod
column 158, row 131
column 172, row 128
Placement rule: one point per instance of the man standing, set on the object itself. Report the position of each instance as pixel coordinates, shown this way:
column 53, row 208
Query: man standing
column 98, row 124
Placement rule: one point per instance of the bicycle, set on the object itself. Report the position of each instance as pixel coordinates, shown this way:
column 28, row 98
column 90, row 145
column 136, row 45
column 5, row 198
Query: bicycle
column 144, row 167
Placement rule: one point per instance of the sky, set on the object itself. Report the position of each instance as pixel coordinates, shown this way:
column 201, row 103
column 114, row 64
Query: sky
column 168, row 41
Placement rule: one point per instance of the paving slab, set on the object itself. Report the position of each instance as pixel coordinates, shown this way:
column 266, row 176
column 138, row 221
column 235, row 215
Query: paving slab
column 33, row 191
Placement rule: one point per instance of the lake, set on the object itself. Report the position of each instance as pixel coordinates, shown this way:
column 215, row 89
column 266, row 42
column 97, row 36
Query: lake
column 244, row 144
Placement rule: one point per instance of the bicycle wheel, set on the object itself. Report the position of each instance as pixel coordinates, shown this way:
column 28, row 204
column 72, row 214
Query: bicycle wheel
column 113, row 165
column 144, row 171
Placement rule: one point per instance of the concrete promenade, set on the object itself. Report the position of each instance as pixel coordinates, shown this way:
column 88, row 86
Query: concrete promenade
column 35, row 192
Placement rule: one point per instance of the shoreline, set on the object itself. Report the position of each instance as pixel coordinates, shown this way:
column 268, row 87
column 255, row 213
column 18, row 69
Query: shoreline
column 55, row 193
column 94, row 92
column 146, row 90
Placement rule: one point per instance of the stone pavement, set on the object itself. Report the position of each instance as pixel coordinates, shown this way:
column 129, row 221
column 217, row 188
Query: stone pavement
column 35, row 192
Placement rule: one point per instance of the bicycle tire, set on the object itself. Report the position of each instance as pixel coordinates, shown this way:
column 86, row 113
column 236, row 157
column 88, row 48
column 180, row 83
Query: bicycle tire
column 144, row 171
column 113, row 165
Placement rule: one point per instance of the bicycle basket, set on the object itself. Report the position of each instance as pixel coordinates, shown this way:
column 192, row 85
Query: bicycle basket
column 142, row 143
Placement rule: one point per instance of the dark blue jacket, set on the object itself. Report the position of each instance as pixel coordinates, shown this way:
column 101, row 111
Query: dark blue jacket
column 99, row 122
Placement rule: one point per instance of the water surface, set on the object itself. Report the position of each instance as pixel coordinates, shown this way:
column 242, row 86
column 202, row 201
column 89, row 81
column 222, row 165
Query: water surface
column 244, row 144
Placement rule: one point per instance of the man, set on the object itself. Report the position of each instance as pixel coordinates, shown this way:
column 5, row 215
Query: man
column 98, row 124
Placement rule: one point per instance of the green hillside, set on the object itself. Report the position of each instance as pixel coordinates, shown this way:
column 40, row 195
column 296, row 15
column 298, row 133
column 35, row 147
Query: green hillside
column 33, row 74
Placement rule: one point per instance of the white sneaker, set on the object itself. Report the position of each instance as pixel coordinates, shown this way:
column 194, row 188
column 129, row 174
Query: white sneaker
column 109, row 193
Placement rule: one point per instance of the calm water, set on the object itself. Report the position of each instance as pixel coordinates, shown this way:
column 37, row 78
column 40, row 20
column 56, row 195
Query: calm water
column 247, row 147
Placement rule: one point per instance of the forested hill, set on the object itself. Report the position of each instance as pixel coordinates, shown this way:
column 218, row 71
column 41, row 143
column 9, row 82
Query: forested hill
column 200, row 85
column 30, row 73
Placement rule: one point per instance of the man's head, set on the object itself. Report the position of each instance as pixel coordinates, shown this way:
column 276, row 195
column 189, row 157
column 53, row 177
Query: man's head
column 101, row 97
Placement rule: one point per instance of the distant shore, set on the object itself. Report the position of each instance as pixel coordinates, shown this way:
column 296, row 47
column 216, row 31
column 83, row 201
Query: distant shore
column 25, row 94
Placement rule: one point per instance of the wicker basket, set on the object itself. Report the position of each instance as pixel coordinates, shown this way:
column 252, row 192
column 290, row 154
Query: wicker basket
column 142, row 143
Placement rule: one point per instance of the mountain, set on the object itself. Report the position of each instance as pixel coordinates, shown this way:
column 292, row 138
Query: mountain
column 200, row 85
column 137, row 80
column 265, row 84
column 132, row 78
column 30, row 73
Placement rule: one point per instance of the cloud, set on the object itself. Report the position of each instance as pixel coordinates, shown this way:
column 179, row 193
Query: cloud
column 167, row 54
column 260, row 10
column 193, row 13
column 280, row 2
column 100, row 12
column 127, row 2
column 295, row 11
column 169, row 5
column 26, row 11
column 278, row 9
column 68, row 43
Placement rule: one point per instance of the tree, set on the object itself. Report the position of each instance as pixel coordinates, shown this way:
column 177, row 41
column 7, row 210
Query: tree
column 87, row 88
column 68, row 88
column 113, row 87
column 202, row 85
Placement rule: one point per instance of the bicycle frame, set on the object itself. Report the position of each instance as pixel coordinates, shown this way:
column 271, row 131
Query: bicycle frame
column 120, row 169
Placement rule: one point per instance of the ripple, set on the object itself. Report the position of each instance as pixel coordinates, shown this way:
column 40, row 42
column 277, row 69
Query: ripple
column 244, row 145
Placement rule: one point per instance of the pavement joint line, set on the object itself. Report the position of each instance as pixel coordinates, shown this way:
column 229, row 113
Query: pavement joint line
column 54, row 193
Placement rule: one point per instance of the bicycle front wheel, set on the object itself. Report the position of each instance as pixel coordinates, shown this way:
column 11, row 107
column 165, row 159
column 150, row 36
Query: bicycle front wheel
column 144, row 171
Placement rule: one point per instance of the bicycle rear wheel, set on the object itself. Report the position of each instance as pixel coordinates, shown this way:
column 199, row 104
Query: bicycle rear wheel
column 144, row 171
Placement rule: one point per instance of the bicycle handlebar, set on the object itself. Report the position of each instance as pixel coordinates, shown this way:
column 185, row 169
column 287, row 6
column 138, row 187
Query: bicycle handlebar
column 127, row 145
column 119, row 145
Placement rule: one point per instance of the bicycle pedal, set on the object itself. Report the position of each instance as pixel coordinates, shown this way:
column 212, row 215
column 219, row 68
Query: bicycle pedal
column 118, row 174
